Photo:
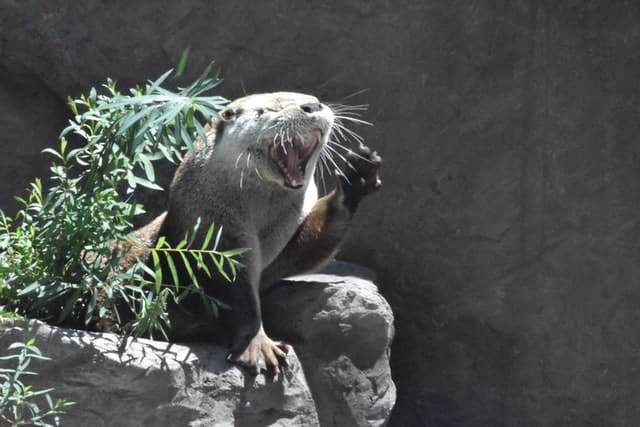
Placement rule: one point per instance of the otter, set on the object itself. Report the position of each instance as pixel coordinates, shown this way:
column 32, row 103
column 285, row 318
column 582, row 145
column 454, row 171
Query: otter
column 254, row 176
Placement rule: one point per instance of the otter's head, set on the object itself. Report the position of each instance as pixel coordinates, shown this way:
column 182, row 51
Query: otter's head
column 278, row 136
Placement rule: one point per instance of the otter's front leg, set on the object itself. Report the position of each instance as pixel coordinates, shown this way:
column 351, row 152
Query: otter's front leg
column 322, row 230
column 314, row 242
column 250, row 346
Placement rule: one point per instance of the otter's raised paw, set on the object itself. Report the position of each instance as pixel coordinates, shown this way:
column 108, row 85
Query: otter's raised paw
column 361, row 176
column 262, row 354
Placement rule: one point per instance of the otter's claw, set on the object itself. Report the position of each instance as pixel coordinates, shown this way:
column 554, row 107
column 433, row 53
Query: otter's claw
column 262, row 354
column 361, row 177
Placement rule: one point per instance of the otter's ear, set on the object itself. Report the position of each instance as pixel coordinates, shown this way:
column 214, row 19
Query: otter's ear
column 212, row 125
column 217, row 126
column 214, row 128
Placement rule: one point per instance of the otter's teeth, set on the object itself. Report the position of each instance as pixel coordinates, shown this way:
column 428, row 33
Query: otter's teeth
column 292, row 157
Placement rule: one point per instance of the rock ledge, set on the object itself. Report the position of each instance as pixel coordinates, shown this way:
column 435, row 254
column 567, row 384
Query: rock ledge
column 340, row 327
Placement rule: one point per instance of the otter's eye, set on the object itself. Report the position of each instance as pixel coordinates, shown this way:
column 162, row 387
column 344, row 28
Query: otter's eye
column 227, row 114
column 260, row 111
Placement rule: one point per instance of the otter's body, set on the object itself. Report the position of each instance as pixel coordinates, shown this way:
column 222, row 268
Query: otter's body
column 256, row 210
column 254, row 178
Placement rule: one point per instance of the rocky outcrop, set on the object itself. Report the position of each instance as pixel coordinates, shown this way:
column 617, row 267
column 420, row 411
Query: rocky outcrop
column 158, row 383
column 341, row 330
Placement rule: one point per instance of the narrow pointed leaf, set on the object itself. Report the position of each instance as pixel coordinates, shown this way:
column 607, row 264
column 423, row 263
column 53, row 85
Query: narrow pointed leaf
column 157, row 270
column 207, row 238
column 172, row 268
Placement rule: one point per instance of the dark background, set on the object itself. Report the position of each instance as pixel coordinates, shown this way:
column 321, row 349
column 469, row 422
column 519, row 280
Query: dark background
column 506, row 237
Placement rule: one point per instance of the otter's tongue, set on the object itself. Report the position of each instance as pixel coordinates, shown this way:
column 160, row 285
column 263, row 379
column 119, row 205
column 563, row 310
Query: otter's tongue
column 294, row 167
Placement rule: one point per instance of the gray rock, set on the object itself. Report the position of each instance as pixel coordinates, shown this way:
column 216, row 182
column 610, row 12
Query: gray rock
column 342, row 330
column 339, row 325
column 155, row 383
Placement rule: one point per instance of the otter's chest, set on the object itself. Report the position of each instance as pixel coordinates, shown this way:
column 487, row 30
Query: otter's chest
column 278, row 220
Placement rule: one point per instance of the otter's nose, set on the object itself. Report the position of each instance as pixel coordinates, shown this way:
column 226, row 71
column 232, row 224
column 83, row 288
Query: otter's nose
column 311, row 107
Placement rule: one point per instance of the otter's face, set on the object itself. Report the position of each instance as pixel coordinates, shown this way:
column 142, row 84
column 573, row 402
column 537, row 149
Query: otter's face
column 278, row 136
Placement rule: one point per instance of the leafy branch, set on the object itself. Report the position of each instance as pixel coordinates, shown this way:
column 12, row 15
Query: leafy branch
column 20, row 403
column 58, row 257
column 152, row 313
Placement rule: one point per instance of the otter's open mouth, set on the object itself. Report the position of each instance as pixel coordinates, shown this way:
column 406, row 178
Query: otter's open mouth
column 292, row 157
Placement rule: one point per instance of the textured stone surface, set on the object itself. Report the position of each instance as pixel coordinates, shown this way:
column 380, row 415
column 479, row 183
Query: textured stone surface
column 506, row 234
column 337, row 322
column 341, row 329
column 159, row 384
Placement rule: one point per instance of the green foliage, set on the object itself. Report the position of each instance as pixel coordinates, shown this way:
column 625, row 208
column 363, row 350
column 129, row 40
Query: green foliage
column 150, row 306
column 20, row 404
column 59, row 257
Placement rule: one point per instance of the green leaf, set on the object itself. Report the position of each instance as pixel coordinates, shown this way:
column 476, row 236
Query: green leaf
column 156, row 84
column 158, row 271
column 91, row 305
column 187, row 266
column 132, row 119
column 207, row 238
column 181, row 63
column 182, row 243
column 146, row 269
column 234, row 252
column 20, row 345
column 172, row 268
column 29, row 289
column 148, row 168
column 53, row 153
column 186, row 138
column 70, row 302
column 219, row 262
column 200, row 131
column 191, row 239
column 218, row 236
column 134, row 181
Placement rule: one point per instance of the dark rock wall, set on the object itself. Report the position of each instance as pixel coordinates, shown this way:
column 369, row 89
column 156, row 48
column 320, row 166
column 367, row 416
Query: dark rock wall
column 506, row 236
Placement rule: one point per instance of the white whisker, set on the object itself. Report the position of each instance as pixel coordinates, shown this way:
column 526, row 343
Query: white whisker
column 337, row 143
column 349, row 132
column 337, row 153
column 337, row 127
column 349, row 151
column 258, row 173
column 321, row 166
column 356, row 93
column 348, row 111
column 238, row 159
column 353, row 119
column 335, row 165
